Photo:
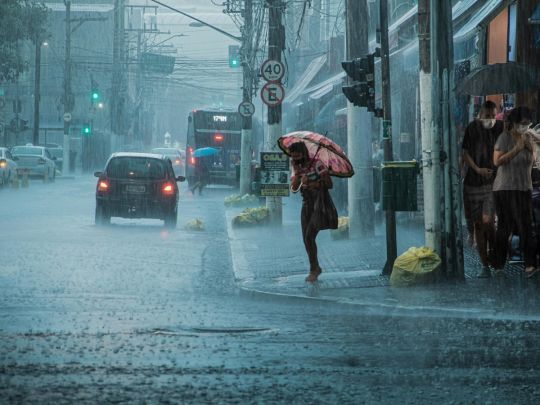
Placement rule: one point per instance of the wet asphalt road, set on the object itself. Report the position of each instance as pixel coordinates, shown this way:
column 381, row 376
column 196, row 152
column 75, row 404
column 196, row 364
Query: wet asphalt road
column 134, row 313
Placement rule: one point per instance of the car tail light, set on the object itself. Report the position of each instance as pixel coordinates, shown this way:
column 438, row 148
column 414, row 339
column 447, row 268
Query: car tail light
column 103, row 186
column 41, row 161
column 191, row 159
column 167, row 189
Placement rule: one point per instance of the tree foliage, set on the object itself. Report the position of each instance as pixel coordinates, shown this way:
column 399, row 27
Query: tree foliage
column 20, row 20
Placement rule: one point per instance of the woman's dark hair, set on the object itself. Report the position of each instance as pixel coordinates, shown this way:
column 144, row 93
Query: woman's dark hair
column 299, row 147
column 517, row 115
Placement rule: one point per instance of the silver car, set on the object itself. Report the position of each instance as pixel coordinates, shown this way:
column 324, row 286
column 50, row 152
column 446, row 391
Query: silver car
column 37, row 159
column 8, row 167
column 177, row 158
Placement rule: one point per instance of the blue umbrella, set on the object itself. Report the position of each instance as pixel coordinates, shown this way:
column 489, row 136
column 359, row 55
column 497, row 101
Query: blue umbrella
column 202, row 152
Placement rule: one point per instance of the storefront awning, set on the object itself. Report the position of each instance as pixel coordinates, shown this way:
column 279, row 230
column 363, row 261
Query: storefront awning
column 325, row 87
column 311, row 71
column 486, row 13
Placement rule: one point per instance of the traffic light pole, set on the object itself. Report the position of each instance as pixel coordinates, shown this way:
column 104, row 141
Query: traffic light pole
column 391, row 243
column 68, row 98
column 247, row 122
column 359, row 135
column 276, row 36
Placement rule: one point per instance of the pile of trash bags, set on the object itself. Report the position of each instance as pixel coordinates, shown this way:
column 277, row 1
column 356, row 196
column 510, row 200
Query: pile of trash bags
column 195, row 225
column 237, row 200
column 251, row 217
column 342, row 231
column 416, row 266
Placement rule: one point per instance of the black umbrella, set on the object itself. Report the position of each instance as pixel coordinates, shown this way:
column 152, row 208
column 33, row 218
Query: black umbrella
column 500, row 78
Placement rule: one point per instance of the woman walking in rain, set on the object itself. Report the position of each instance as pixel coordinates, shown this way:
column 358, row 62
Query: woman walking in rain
column 312, row 179
column 514, row 156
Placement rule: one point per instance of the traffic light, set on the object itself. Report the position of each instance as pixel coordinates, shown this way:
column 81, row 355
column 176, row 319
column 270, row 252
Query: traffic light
column 86, row 129
column 234, row 56
column 361, row 92
column 95, row 96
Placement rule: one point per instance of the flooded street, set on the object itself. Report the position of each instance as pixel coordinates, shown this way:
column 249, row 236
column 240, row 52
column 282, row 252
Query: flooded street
column 135, row 313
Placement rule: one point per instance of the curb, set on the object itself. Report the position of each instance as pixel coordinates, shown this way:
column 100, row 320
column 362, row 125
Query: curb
column 243, row 276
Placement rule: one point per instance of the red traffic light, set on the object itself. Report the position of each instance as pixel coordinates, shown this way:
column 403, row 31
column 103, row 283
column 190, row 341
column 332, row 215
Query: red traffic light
column 218, row 137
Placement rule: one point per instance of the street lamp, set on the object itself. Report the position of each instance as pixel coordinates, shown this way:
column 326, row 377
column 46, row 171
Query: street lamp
column 37, row 95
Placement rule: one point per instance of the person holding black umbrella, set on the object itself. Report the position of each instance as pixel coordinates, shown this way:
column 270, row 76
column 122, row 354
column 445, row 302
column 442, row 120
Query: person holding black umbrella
column 478, row 145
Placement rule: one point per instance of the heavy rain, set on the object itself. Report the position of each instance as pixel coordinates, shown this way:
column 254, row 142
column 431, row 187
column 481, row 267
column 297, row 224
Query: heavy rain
column 270, row 201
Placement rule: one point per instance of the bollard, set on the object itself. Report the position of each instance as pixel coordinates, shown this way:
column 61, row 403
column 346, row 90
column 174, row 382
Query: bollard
column 46, row 176
column 25, row 179
column 15, row 181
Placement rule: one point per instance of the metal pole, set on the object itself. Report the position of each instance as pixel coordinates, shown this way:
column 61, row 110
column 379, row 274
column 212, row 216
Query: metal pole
column 247, row 122
column 391, row 244
column 68, row 97
column 359, row 134
column 117, row 85
column 276, row 36
column 37, row 79
column 431, row 170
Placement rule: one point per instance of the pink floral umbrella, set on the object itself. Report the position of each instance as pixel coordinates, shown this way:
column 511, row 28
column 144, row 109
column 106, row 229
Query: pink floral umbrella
column 322, row 148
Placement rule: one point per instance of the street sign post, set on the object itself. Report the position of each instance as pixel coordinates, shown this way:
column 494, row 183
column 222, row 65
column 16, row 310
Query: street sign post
column 246, row 109
column 272, row 70
column 272, row 94
column 274, row 174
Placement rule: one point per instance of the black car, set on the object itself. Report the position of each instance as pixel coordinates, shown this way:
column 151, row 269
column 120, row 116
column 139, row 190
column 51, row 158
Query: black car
column 137, row 185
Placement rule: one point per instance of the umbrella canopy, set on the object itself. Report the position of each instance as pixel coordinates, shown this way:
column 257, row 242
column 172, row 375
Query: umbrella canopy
column 500, row 78
column 202, row 152
column 324, row 149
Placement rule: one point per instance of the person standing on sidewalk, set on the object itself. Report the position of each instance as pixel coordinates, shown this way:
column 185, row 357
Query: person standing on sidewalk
column 514, row 157
column 311, row 178
column 478, row 146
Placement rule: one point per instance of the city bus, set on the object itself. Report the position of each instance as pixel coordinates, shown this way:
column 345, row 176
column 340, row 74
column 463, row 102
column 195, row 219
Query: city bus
column 220, row 129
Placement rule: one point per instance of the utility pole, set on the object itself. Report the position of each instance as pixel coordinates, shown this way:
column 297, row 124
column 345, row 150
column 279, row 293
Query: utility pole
column 276, row 44
column 359, row 134
column 37, row 95
column 431, row 164
column 68, row 97
column 247, row 91
column 118, row 77
column 443, row 102
column 391, row 244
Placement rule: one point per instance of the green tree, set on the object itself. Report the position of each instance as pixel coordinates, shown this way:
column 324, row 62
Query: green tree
column 20, row 20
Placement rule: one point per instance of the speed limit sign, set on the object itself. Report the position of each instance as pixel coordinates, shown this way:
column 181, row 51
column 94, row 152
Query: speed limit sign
column 272, row 70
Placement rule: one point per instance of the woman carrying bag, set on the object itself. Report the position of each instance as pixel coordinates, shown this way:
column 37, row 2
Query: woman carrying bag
column 312, row 179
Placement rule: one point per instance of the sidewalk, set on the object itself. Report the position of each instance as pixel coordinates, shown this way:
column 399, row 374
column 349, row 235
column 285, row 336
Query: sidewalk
column 273, row 262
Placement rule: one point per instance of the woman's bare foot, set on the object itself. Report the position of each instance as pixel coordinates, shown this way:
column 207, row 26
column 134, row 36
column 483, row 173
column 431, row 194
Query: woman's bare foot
column 314, row 275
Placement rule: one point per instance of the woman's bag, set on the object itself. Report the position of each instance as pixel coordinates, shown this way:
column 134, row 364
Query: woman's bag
column 324, row 210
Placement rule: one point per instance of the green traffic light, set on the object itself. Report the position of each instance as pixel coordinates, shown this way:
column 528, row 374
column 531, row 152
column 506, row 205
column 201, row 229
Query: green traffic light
column 95, row 96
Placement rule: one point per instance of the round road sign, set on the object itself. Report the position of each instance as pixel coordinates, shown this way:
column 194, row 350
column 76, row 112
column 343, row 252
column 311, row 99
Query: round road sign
column 67, row 117
column 273, row 70
column 272, row 94
column 246, row 109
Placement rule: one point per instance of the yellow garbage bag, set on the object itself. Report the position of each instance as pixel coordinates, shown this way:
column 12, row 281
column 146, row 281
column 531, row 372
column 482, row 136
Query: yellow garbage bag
column 195, row 225
column 251, row 216
column 415, row 266
column 342, row 231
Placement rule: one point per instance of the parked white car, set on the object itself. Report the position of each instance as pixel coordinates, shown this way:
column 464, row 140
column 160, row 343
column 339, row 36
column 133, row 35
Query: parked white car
column 37, row 159
column 8, row 167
